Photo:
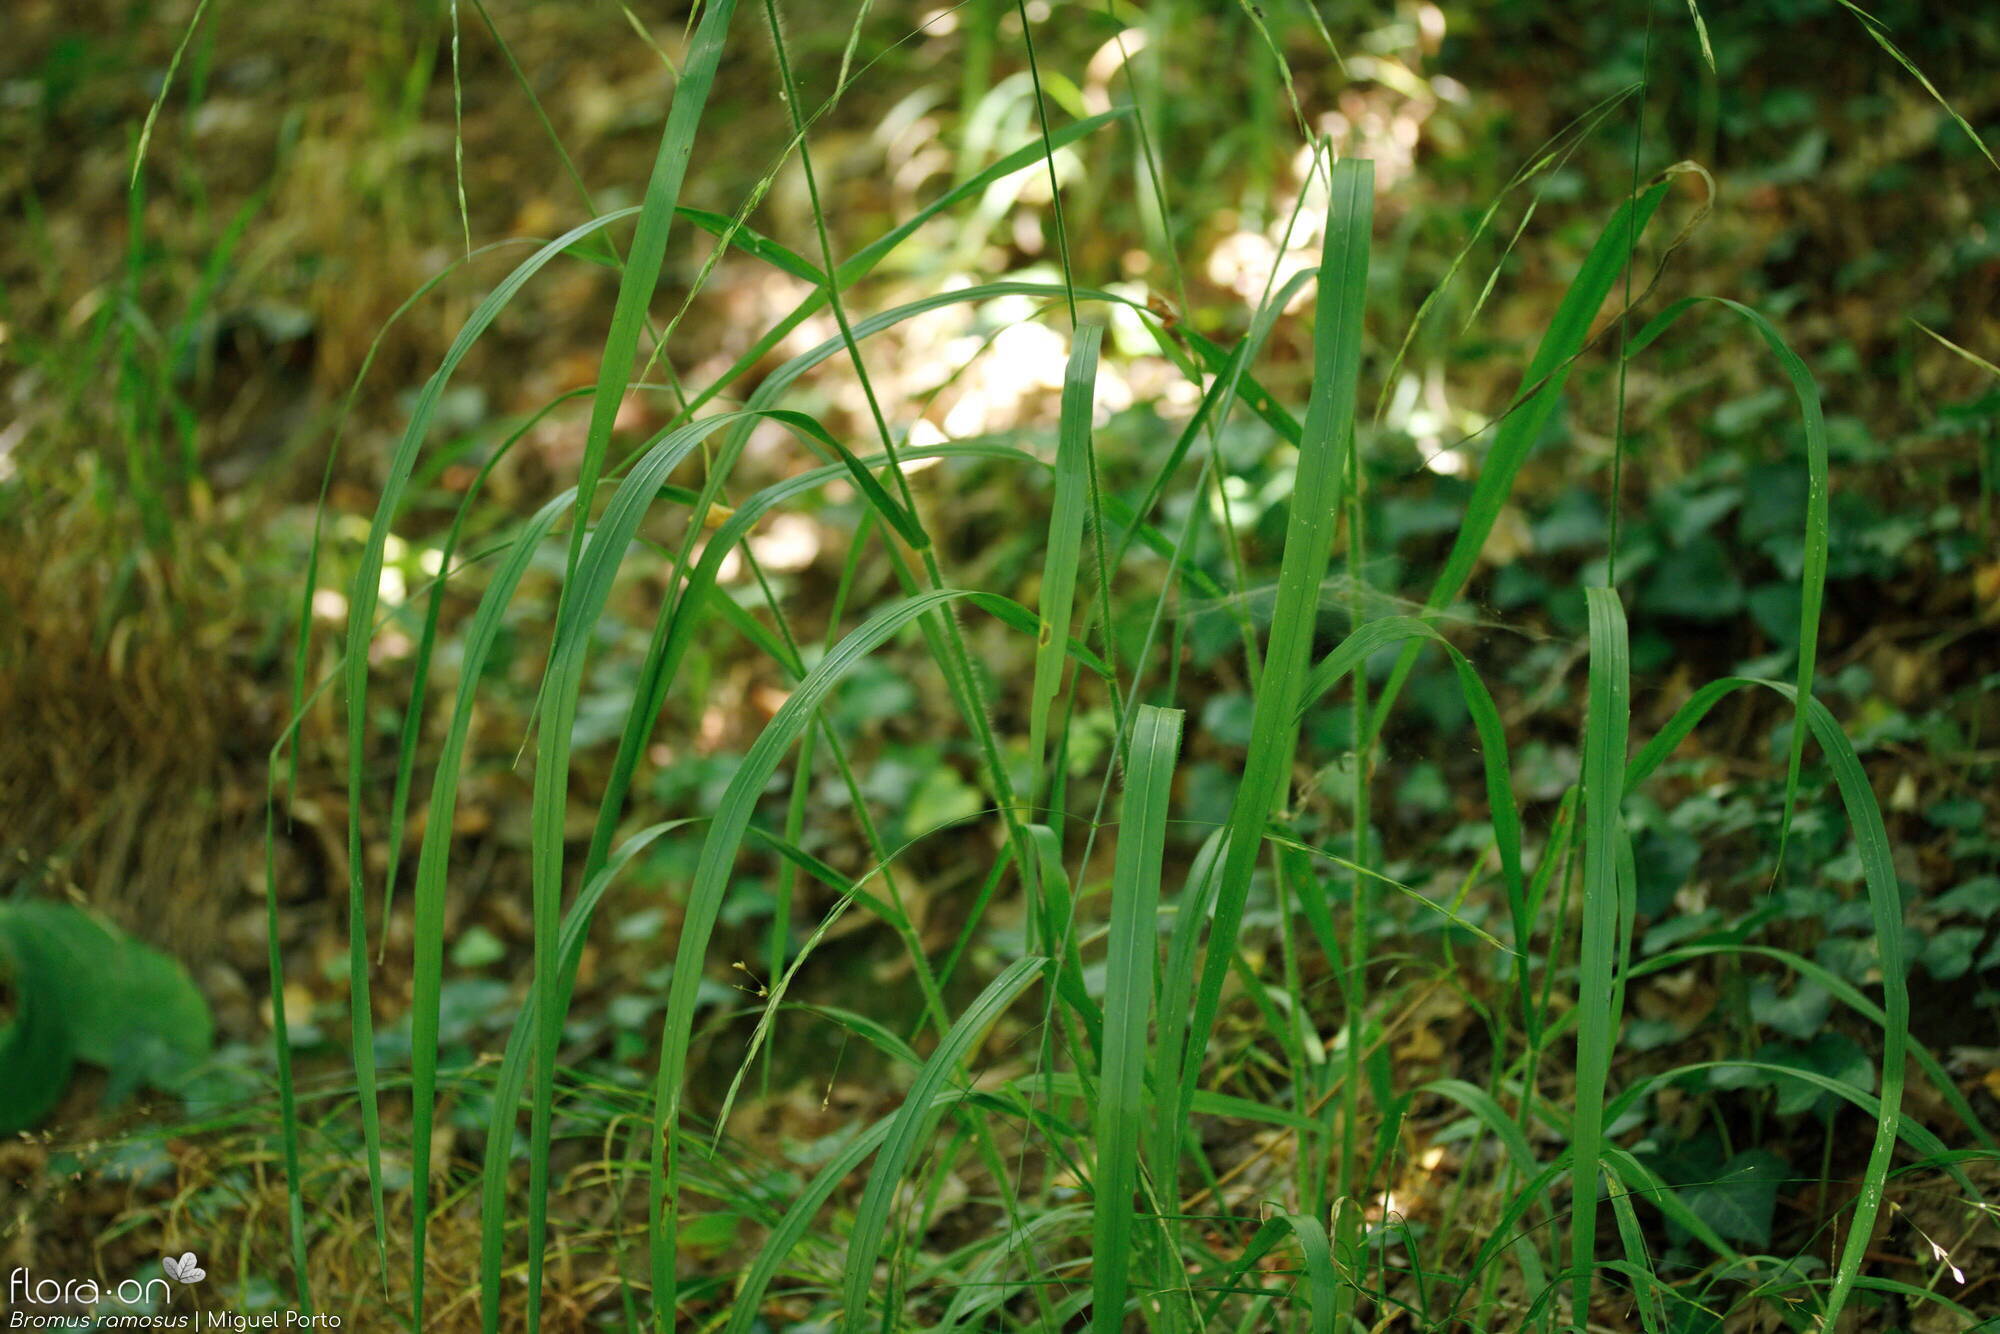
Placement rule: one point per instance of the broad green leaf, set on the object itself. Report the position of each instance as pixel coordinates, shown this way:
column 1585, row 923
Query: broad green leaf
column 88, row 992
column 36, row 1048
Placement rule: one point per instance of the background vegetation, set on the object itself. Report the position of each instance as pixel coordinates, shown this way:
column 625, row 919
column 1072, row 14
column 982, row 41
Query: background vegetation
column 986, row 1024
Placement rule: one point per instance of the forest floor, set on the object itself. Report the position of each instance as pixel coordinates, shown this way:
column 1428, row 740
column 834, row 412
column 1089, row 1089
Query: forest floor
column 177, row 369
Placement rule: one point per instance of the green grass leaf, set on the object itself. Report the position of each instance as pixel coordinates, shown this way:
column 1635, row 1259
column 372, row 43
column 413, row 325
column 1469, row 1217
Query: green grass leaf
column 1521, row 425
column 1812, row 576
column 1133, row 956
column 1871, row 837
column 1065, row 544
column 1606, row 722
column 711, row 882
column 910, row 1126
column 1328, row 435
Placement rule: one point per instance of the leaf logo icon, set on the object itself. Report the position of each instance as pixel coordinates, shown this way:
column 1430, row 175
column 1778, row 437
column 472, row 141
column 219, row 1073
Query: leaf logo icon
column 186, row 1269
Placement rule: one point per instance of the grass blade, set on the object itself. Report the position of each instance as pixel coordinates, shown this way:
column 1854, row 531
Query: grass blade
column 649, row 249
column 512, row 1080
column 1847, row 994
column 635, row 290
column 1522, row 424
column 432, row 858
column 1871, row 838
column 1812, row 574
column 1701, row 35
column 743, row 1316
column 911, row 1125
column 1132, row 958
column 582, row 603
column 281, row 1041
column 160, row 98
column 1879, row 31
column 1328, row 435
column 1065, row 543
column 1607, row 718
column 705, row 895
column 674, row 634
column 858, row 265
column 363, row 599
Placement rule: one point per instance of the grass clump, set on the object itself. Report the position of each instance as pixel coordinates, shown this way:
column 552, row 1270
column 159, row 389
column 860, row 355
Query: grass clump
column 1155, row 1070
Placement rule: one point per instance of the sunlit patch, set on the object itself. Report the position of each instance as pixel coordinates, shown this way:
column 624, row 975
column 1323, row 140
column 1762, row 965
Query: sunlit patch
column 787, row 542
column 1241, row 261
column 1025, row 358
column 635, row 414
column 713, row 728
column 1381, row 116
column 810, row 333
column 911, row 141
column 1180, row 392
column 1422, row 409
column 1114, row 394
column 967, row 416
column 731, row 568
column 770, row 443
column 1430, row 26
column 330, row 604
column 1027, row 229
column 920, row 166
column 391, row 645
column 1448, row 462
column 1235, row 494
column 391, row 585
column 1030, row 185
column 1104, row 64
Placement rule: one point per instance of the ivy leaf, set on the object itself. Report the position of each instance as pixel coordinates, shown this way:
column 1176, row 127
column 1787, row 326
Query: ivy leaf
column 1834, row 1055
column 1798, row 1015
column 1948, row 954
column 1964, row 814
column 1663, row 860
column 1978, row 898
column 1698, row 582
column 1740, row 1200
column 941, row 797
